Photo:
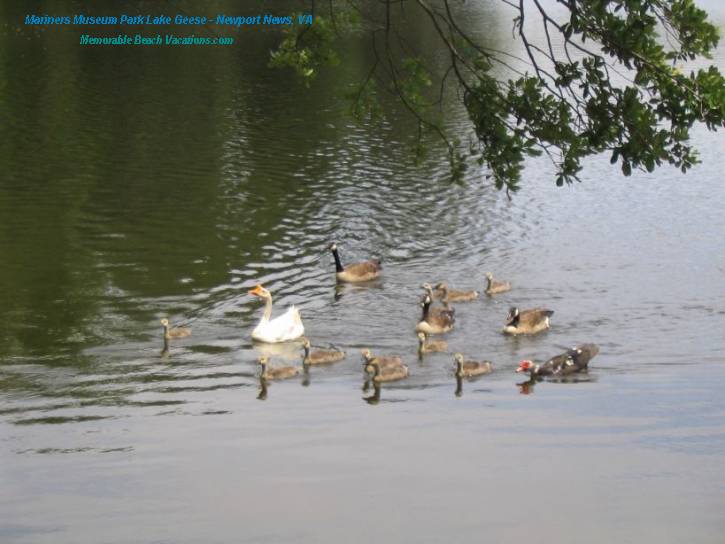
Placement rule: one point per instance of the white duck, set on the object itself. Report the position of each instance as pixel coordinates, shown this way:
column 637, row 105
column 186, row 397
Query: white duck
column 283, row 328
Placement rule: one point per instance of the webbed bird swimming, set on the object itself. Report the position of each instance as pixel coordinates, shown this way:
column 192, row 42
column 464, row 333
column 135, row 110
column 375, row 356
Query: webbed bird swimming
column 370, row 362
column 437, row 295
column 570, row 362
column 494, row 287
column 287, row 326
column 174, row 332
column 434, row 324
column 453, row 295
column 527, row 321
column 278, row 373
column 430, row 346
column 469, row 369
column 320, row 356
column 358, row 272
column 389, row 373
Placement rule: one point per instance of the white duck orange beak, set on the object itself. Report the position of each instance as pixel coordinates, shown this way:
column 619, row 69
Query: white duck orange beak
column 258, row 291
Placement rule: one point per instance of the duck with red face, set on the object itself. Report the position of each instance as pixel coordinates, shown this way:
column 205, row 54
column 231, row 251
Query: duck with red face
column 570, row 362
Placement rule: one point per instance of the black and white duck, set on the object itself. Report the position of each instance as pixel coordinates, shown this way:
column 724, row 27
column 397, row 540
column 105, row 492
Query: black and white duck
column 570, row 362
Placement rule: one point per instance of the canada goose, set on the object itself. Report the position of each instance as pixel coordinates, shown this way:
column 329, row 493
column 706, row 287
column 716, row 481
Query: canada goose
column 363, row 271
column 389, row 373
column 571, row 361
column 438, row 295
column 494, row 287
column 431, row 346
column 282, row 328
column 527, row 321
column 452, row 295
column 435, row 294
column 175, row 332
column 370, row 362
column 469, row 369
column 279, row 373
column 434, row 324
column 320, row 356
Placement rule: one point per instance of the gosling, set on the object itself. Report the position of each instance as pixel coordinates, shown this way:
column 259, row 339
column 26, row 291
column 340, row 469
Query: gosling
column 320, row 356
column 370, row 362
column 279, row 373
column 495, row 287
column 431, row 346
column 470, row 369
column 174, row 332
column 389, row 374
column 452, row 295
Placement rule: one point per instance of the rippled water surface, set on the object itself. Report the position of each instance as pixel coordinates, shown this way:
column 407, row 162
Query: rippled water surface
column 139, row 184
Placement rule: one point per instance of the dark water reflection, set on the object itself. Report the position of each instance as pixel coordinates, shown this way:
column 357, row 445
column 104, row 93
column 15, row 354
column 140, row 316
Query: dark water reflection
column 138, row 185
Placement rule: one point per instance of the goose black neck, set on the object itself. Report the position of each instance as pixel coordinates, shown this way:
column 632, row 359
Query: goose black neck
column 338, row 263
column 426, row 309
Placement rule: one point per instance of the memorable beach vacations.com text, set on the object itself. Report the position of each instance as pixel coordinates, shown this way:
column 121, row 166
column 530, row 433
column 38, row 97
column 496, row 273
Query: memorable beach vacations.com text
column 226, row 22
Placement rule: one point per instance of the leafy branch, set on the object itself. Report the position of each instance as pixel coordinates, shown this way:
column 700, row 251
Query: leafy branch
column 604, row 78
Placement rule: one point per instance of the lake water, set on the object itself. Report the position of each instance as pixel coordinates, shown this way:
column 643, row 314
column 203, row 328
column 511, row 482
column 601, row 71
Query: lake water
column 143, row 183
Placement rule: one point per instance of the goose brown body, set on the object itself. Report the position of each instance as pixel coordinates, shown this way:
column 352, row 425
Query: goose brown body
column 453, row 295
column 430, row 346
column 530, row 321
column 493, row 287
column 278, row 373
column 174, row 332
column 358, row 272
column 470, row 369
column 370, row 362
column 320, row 356
column 389, row 373
column 435, row 294
column 438, row 295
column 434, row 324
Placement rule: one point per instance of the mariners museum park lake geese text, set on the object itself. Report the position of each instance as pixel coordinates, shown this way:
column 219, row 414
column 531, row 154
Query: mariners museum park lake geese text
column 219, row 19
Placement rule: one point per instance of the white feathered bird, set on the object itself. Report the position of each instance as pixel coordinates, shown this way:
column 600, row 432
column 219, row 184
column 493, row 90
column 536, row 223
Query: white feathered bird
column 282, row 328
